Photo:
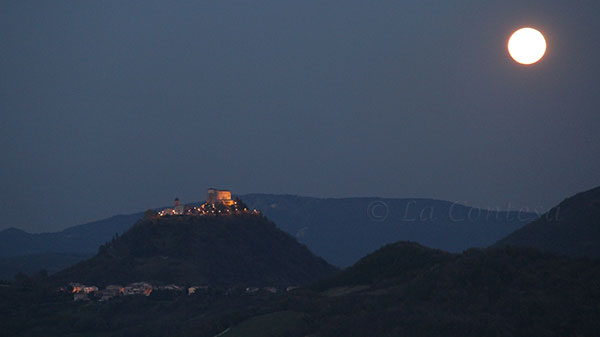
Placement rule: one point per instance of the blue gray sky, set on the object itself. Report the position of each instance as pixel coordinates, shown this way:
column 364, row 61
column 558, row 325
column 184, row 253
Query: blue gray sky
column 111, row 107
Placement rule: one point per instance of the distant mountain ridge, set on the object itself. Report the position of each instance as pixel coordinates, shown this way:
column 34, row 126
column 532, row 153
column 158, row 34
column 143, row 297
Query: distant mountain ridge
column 215, row 250
column 30, row 264
column 571, row 228
column 85, row 238
column 344, row 230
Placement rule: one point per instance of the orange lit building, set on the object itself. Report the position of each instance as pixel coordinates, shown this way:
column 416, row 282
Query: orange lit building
column 215, row 196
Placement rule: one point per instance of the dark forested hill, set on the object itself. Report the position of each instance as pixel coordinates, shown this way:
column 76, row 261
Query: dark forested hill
column 572, row 228
column 243, row 249
column 404, row 289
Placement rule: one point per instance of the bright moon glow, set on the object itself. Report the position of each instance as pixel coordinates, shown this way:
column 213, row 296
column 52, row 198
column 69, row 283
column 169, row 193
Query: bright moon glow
column 527, row 46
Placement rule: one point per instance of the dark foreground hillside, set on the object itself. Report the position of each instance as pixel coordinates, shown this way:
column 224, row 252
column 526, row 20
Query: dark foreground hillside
column 218, row 251
column 402, row 289
column 572, row 228
column 482, row 292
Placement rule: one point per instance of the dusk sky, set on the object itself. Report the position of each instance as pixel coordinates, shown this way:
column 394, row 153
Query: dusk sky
column 112, row 107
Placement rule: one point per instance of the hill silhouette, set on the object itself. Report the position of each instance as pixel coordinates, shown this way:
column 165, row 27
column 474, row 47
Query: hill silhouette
column 404, row 289
column 244, row 249
column 399, row 259
column 572, row 228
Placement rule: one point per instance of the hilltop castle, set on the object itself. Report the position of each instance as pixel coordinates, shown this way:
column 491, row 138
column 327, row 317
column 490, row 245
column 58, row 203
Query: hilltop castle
column 215, row 196
column 217, row 202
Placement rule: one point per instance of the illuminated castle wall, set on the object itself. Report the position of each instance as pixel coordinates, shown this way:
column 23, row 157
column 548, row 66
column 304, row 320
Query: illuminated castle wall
column 214, row 196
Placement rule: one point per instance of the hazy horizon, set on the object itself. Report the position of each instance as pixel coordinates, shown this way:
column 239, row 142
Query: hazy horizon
column 507, row 207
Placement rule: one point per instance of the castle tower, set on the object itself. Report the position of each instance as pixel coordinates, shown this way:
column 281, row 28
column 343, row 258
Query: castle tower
column 178, row 207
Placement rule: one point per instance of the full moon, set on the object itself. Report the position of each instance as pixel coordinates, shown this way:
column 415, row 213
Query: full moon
column 527, row 46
